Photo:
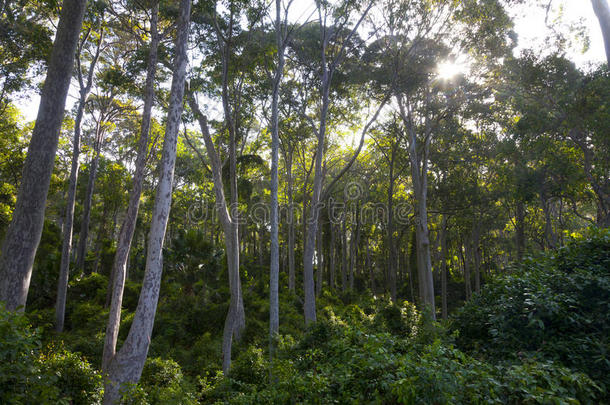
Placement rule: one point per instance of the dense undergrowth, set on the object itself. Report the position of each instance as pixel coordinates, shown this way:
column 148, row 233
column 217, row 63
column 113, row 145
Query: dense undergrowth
column 537, row 334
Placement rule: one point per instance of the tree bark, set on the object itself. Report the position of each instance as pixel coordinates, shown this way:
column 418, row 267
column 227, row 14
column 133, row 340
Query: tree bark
column 390, row 230
column 119, row 267
column 419, row 174
column 291, row 225
column 81, row 252
column 331, row 255
column 23, row 234
column 443, row 237
column 68, row 226
column 344, row 274
column 602, row 11
column 520, row 230
column 235, row 320
column 126, row 366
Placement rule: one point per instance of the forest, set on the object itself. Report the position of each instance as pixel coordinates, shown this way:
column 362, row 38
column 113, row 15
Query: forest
column 304, row 202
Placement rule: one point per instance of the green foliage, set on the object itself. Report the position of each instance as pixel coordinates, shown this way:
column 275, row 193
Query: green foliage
column 164, row 383
column 76, row 380
column 550, row 308
column 360, row 360
column 28, row 376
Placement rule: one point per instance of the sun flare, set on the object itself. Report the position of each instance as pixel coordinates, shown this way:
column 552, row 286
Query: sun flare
column 448, row 70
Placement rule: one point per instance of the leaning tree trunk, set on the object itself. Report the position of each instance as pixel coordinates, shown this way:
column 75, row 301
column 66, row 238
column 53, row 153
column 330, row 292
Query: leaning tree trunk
column 602, row 11
column 23, row 234
column 235, row 320
column 126, row 366
column 119, row 267
column 66, row 249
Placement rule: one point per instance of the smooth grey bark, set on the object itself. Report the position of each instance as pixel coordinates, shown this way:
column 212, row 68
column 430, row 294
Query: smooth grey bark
column 443, row 236
column 320, row 257
column 419, row 174
column 235, row 320
column 390, row 228
column 23, row 234
column 331, row 255
column 119, row 267
column 354, row 248
column 126, row 366
column 274, row 264
column 467, row 277
column 68, row 225
column 328, row 69
column 344, row 269
column 83, row 236
column 291, row 224
column 602, row 11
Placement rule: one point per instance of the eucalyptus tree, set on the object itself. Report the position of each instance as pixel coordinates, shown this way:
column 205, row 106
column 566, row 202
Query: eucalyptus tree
column 23, row 234
column 553, row 99
column 321, row 56
column 119, row 267
column 85, row 82
column 231, row 51
column 126, row 366
column 414, row 39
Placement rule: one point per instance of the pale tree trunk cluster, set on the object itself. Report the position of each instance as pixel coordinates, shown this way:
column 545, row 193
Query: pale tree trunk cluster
column 127, row 364
column 119, row 267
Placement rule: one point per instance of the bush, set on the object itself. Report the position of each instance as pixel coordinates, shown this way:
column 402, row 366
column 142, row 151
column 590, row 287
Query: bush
column 76, row 380
column 27, row 376
column 551, row 308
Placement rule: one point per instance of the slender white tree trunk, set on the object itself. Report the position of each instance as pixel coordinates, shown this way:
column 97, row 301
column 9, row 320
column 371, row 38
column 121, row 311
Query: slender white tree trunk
column 235, row 320
column 119, row 267
column 23, row 234
column 64, row 270
column 274, row 268
column 126, row 366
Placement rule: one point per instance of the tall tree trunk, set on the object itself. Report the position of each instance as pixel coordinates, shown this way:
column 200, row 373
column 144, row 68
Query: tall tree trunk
column 331, row 255
column 476, row 256
column 354, row 247
column 68, row 226
column 443, row 237
column 235, row 321
column 274, row 265
column 101, row 235
column 126, row 366
column 81, row 252
column 291, row 224
column 344, row 276
column 369, row 266
column 602, row 11
column 118, row 274
column 320, row 257
column 390, row 230
column 466, row 263
column 520, row 230
column 23, row 234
